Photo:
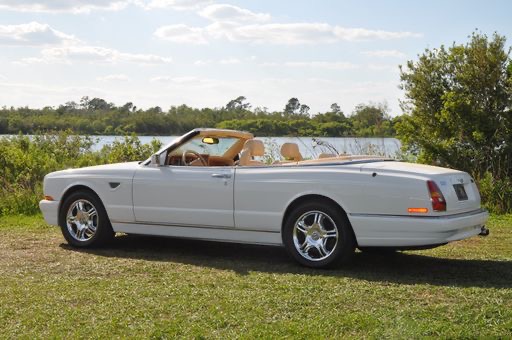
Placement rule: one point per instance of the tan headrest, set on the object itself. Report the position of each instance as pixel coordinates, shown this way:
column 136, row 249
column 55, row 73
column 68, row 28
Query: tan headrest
column 255, row 146
column 290, row 152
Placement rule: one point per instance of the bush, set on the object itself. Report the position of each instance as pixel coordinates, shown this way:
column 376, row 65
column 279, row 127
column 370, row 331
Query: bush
column 496, row 193
column 25, row 161
column 458, row 102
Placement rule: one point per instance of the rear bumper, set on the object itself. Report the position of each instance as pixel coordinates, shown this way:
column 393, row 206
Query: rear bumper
column 403, row 231
column 50, row 210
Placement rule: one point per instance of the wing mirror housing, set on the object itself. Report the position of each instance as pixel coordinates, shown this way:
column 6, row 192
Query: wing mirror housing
column 155, row 160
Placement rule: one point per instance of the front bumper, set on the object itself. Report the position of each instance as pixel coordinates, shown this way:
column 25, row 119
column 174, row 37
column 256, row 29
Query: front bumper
column 50, row 210
column 403, row 231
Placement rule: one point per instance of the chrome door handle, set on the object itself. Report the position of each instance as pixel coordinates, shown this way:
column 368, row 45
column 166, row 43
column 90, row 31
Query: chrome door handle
column 221, row 175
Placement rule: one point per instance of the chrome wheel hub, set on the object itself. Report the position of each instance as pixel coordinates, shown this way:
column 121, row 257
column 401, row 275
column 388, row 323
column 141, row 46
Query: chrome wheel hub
column 82, row 220
column 315, row 235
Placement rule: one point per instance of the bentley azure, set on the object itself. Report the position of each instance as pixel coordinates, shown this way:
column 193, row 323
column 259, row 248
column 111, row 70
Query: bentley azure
column 211, row 184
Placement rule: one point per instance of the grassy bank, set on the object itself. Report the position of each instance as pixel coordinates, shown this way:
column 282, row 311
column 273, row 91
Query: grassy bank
column 147, row 287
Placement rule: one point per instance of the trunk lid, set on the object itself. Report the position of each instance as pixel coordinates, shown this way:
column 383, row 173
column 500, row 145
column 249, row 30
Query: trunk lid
column 458, row 188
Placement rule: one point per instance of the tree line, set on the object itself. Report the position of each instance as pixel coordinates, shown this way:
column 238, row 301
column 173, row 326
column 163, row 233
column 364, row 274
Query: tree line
column 96, row 116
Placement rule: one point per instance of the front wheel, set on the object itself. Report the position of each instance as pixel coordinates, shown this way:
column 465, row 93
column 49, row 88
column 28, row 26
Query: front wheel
column 316, row 234
column 84, row 221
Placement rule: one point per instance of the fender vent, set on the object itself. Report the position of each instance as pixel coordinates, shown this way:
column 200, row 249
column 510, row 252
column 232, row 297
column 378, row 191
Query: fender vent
column 113, row 185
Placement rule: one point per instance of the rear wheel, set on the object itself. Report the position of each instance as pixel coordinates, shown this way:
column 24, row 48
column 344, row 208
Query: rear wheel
column 316, row 234
column 84, row 221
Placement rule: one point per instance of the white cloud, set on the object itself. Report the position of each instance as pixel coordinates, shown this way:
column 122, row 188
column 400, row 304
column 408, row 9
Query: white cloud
column 331, row 65
column 181, row 33
column 225, row 61
column 274, row 33
column 289, row 34
column 115, row 78
column 173, row 4
column 383, row 67
column 230, row 13
column 334, row 65
column 385, row 54
column 354, row 34
column 202, row 62
column 73, row 6
column 301, row 33
column 190, row 80
column 229, row 61
column 33, row 34
column 186, row 80
column 31, row 60
column 160, row 79
column 87, row 6
column 70, row 54
column 269, row 63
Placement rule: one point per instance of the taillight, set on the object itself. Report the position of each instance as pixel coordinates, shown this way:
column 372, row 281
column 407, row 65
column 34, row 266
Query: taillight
column 436, row 197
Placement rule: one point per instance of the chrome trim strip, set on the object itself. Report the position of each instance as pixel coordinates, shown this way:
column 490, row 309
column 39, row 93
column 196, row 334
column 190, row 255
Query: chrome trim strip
column 193, row 226
column 468, row 213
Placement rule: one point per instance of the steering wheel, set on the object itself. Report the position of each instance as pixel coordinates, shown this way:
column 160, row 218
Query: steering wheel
column 197, row 154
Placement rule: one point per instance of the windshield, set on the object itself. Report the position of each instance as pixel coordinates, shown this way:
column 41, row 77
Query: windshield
column 196, row 144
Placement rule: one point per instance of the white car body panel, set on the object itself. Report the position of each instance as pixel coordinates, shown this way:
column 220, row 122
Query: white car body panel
column 117, row 201
column 184, row 195
column 248, row 204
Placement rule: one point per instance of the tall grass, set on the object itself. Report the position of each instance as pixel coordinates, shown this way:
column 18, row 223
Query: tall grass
column 25, row 161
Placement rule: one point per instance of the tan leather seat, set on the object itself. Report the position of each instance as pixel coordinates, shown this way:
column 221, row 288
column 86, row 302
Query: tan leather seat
column 252, row 148
column 290, row 152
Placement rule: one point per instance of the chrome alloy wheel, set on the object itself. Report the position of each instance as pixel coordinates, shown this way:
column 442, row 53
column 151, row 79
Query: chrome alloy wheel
column 82, row 220
column 315, row 235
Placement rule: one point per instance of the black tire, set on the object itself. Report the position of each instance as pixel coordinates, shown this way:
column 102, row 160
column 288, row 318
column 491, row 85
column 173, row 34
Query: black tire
column 339, row 252
column 381, row 251
column 103, row 229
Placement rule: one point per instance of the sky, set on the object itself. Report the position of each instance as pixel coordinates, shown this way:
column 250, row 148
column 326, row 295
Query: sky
column 203, row 53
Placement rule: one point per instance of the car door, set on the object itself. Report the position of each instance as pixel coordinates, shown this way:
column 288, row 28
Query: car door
column 184, row 195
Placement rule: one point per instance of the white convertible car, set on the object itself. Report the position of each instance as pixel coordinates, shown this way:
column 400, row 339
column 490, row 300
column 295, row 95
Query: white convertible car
column 209, row 185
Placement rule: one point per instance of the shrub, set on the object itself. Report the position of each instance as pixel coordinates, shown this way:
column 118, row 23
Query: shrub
column 496, row 193
column 24, row 161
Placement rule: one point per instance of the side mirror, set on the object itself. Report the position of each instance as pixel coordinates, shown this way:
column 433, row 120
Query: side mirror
column 155, row 160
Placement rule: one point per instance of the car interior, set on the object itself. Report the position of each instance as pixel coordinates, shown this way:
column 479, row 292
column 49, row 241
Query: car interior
column 236, row 148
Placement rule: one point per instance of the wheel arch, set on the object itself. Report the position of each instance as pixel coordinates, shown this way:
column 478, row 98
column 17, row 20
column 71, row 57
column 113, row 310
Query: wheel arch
column 314, row 197
column 72, row 189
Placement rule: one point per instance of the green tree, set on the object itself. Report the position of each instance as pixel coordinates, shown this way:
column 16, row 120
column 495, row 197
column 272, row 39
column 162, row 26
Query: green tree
column 292, row 107
column 371, row 120
column 458, row 105
column 238, row 103
column 335, row 108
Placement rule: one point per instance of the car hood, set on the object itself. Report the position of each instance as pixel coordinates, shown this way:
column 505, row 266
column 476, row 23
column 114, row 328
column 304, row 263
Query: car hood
column 97, row 169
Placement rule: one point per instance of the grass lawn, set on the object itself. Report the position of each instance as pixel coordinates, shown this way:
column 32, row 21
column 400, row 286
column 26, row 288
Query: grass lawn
column 159, row 288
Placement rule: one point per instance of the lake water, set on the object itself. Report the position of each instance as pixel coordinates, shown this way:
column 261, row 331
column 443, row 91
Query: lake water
column 307, row 145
